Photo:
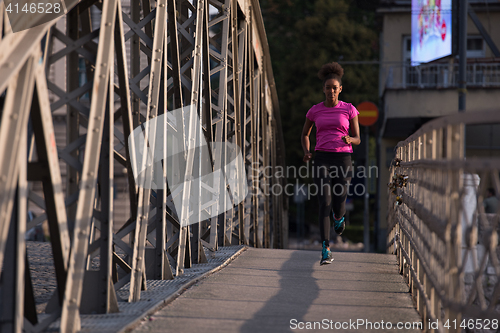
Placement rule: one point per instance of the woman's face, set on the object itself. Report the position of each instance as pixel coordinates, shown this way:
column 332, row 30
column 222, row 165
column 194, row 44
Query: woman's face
column 332, row 89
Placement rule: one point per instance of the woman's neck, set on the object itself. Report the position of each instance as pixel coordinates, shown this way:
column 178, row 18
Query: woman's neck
column 331, row 104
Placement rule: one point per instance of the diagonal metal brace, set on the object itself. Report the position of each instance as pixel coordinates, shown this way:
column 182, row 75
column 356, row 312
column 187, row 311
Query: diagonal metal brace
column 484, row 33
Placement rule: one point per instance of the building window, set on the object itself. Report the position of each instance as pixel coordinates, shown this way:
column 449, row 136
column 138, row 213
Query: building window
column 475, row 47
column 410, row 75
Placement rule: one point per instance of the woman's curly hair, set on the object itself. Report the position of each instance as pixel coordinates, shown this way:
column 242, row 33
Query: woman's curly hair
column 331, row 70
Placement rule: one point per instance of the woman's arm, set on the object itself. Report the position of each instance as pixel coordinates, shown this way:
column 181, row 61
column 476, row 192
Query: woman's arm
column 304, row 139
column 354, row 128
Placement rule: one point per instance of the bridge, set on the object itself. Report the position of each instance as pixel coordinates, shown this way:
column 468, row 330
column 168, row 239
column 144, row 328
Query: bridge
column 84, row 93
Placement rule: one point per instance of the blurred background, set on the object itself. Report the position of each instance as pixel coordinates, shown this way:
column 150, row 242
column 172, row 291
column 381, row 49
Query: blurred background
column 372, row 41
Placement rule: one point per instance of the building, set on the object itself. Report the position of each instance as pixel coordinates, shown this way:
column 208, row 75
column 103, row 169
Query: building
column 412, row 95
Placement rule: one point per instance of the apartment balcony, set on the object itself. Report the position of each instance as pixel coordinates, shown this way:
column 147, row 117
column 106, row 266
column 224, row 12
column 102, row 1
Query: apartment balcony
column 442, row 75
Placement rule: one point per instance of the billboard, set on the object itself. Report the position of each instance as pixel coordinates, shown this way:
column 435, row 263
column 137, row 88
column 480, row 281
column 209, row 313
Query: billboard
column 431, row 30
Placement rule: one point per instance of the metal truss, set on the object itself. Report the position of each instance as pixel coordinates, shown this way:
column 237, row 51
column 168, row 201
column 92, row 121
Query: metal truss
column 107, row 70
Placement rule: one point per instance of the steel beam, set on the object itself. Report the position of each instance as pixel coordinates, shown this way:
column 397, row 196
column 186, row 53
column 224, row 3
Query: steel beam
column 216, row 67
column 138, row 262
column 12, row 127
column 70, row 312
column 483, row 32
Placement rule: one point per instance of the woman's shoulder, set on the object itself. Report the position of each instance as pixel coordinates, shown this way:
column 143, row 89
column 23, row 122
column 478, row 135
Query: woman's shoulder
column 345, row 105
column 318, row 106
column 349, row 109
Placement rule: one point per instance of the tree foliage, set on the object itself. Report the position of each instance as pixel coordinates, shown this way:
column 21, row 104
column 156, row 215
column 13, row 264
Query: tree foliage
column 304, row 35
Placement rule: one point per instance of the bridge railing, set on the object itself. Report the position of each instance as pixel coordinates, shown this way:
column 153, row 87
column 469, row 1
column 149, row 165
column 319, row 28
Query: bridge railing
column 446, row 244
column 72, row 91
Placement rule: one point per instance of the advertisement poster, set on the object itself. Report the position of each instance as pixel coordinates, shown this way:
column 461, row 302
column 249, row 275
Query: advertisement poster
column 430, row 30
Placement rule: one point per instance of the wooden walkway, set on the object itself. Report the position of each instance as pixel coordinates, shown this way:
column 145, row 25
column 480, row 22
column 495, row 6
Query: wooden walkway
column 287, row 291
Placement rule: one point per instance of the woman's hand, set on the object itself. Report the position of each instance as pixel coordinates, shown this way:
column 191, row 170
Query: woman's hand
column 347, row 139
column 307, row 157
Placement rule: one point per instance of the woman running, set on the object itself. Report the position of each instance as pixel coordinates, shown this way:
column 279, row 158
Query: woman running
column 332, row 161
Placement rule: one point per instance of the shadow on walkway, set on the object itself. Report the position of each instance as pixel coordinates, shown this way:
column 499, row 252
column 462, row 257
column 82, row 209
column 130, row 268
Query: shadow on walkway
column 298, row 290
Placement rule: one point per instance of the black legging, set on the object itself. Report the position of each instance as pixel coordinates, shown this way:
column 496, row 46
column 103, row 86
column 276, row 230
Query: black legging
column 332, row 174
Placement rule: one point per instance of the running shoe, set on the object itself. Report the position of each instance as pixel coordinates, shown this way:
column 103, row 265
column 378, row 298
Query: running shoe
column 326, row 255
column 338, row 225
